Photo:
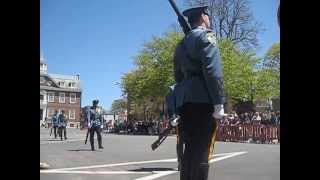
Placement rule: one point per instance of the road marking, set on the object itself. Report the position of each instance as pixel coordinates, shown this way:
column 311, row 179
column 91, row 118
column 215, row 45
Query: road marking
column 113, row 165
column 46, row 141
column 157, row 175
column 154, row 175
column 131, row 163
column 161, row 174
column 93, row 172
column 227, row 156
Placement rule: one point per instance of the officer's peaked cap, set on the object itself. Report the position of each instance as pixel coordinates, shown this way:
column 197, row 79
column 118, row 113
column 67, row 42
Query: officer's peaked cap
column 96, row 101
column 195, row 11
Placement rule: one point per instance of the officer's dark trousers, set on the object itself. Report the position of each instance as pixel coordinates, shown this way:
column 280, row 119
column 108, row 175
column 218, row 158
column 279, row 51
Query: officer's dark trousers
column 198, row 129
column 64, row 130
column 98, row 131
column 55, row 131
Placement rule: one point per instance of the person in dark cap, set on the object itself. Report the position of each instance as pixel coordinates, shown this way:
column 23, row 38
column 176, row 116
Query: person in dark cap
column 95, row 124
column 62, row 125
column 54, row 122
column 199, row 93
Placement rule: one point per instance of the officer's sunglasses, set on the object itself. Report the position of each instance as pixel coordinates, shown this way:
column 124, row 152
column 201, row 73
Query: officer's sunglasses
column 206, row 13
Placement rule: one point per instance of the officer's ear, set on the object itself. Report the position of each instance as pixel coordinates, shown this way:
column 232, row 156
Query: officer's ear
column 206, row 19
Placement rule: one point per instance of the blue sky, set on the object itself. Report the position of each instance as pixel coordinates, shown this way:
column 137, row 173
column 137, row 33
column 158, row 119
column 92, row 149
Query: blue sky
column 99, row 38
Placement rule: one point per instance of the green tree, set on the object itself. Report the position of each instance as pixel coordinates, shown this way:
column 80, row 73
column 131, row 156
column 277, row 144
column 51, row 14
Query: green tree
column 268, row 76
column 119, row 105
column 272, row 58
column 238, row 71
column 148, row 84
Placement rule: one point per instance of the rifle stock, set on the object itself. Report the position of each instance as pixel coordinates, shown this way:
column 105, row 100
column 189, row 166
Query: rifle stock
column 165, row 133
column 182, row 21
column 161, row 138
column 85, row 142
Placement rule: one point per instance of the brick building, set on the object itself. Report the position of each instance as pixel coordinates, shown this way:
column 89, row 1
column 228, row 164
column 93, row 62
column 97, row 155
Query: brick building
column 59, row 92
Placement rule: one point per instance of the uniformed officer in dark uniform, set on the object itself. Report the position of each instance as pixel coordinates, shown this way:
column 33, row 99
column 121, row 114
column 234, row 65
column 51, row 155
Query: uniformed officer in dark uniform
column 62, row 123
column 54, row 122
column 95, row 124
column 199, row 93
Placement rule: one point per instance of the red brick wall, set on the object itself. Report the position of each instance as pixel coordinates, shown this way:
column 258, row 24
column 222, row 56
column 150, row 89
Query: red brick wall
column 67, row 105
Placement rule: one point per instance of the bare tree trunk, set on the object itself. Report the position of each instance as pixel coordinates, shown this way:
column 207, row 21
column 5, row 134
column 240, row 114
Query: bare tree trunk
column 232, row 19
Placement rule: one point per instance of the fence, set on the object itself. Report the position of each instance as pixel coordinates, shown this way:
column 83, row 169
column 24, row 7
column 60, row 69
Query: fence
column 249, row 133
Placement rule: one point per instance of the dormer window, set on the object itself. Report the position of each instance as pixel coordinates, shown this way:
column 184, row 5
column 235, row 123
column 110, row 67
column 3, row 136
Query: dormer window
column 43, row 67
column 61, row 84
column 42, row 80
column 72, row 84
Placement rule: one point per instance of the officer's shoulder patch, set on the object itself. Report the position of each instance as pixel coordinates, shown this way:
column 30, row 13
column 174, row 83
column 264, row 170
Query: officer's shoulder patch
column 211, row 38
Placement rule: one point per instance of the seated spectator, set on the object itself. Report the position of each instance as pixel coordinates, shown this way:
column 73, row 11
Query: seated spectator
column 242, row 118
column 247, row 118
column 256, row 118
column 235, row 121
column 226, row 121
column 222, row 120
column 278, row 117
column 273, row 118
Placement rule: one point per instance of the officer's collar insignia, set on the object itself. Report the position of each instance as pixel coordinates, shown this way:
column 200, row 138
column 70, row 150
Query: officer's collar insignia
column 211, row 38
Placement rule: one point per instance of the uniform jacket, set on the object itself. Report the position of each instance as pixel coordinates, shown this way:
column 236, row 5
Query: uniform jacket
column 198, row 69
column 55, row 120
column 94, row 118
column 62, row 122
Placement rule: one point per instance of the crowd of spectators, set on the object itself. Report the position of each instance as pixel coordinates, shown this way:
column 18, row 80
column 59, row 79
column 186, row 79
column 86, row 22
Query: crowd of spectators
column 264, row 118
column 138, row 127
column 232, row 118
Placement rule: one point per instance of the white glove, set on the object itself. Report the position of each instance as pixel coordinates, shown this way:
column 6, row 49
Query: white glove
column 89, row 125
column 174, row 122
column 101, row 126
column 218, row 111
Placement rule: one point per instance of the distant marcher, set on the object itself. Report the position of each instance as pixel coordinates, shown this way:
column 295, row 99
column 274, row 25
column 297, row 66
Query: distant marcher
column 62, row 123
column 55, row 122
column 95, row 123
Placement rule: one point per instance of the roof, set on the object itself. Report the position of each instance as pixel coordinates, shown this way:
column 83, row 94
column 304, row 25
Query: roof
column 42, row 59
column 63, row 76
column 60, row 89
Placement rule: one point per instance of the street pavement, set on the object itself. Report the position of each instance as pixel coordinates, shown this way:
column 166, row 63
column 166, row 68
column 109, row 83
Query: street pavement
column 128, row 157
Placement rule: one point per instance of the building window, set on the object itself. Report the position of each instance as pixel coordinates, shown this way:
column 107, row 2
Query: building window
column 42, row 80
column 61, row 84
column 51, row 97
column 62, row 97
column 72, row 114
column 50, row 112
column 72, row 84
column 72, row 97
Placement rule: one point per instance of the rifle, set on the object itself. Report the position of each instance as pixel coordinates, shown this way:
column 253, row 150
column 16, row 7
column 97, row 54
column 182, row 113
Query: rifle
column 51, row 131
column 85, row 142
column 162, row 136
column 182, row 21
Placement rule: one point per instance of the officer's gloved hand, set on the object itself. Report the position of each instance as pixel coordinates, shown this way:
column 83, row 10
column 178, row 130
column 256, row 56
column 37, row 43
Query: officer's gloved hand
column 101, row 126
column 89, row 125
column 218, row 111
column 174, row 122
